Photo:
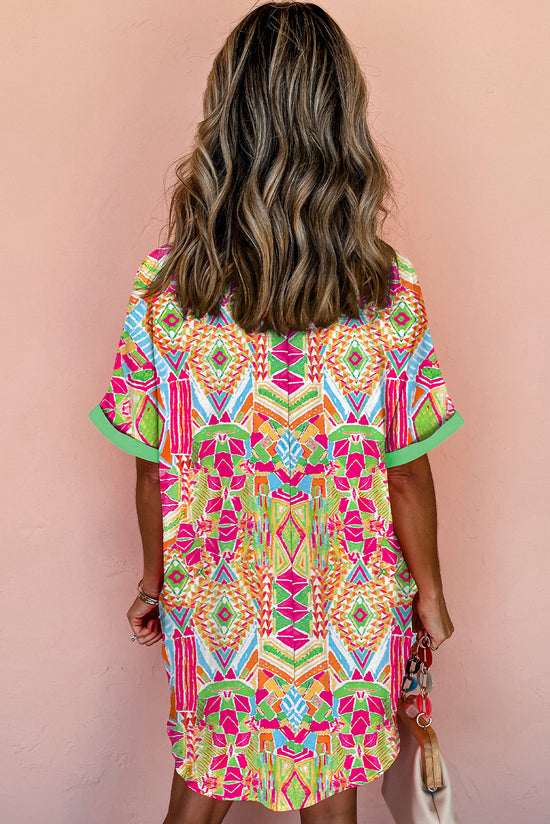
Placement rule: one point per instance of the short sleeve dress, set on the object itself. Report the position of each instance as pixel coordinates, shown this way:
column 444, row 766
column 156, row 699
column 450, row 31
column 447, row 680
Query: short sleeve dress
column 286, row 605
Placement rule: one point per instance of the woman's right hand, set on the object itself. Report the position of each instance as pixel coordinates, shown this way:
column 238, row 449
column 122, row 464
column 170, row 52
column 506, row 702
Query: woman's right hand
column 430, row 614
column 145, row 622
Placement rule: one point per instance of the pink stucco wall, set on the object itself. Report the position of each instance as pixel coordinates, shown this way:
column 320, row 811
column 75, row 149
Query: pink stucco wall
column 100, row 99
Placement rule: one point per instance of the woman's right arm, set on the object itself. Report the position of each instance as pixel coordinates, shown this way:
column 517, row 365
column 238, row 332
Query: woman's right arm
column 414, row 515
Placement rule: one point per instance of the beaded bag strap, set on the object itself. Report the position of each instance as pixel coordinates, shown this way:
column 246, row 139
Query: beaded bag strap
column 418, row 676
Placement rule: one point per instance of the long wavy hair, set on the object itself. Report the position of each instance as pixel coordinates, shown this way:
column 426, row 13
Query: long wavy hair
column 282, row 197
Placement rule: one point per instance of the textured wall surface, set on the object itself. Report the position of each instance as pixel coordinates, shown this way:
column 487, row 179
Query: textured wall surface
column 99, row 101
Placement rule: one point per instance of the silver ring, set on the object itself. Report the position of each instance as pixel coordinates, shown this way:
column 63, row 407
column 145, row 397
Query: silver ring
column 429, row 720
column 133, row 638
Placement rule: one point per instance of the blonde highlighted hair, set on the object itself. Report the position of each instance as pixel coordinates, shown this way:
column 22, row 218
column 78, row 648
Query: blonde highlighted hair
column 283, row 194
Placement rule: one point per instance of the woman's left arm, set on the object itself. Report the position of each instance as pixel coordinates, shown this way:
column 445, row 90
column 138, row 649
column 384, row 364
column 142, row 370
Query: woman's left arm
column 143, row 618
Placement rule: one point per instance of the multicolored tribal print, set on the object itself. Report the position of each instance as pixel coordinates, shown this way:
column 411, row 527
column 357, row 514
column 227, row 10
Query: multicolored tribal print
column 286, row 607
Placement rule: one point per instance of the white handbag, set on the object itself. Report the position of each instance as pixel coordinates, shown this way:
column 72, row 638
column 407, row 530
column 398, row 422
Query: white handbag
column 416, row 786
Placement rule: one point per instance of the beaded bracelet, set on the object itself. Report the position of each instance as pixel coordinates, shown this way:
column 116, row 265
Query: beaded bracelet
column 154, row 602
column 417, row 674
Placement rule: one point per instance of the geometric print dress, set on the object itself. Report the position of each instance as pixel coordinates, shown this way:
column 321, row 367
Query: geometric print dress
column 286, row 605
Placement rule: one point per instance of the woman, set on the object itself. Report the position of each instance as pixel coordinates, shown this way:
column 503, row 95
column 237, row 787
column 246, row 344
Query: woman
column 277, row 383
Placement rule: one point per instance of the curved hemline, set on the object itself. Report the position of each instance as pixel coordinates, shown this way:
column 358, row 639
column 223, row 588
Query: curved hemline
column 127, row 443
column 415, row 450
column 349, row 786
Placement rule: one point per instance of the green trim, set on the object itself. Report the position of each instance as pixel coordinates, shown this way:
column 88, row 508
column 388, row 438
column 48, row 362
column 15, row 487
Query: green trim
column 124, row 442
column 415, row 450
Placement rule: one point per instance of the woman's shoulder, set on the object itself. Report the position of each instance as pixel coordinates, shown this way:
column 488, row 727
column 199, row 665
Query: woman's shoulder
column 403, row 286
column 404, row 273
column 147, row 271
column 404, row 313
column 151, row 264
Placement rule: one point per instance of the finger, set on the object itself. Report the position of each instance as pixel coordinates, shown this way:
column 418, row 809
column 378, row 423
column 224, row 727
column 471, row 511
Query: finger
column 154, row 639
column 138, row 629
column 417, row 624
column 144, row 622
column 156, row 630
column 137, row 621
column 152, row 628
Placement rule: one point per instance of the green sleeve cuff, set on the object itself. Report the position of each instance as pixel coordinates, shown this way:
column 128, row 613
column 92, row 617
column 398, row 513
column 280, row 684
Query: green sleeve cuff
column 415, row 450
column 120, row 439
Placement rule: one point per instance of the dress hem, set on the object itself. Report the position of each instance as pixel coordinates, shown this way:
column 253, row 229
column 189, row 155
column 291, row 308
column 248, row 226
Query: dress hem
column 190, row 782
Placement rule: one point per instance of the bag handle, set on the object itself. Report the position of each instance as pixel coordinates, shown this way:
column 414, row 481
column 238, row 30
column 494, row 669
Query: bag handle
column 417, row 674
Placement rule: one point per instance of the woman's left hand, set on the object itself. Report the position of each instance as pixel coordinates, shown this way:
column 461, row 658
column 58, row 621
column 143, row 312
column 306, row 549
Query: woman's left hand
column 145, row 622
